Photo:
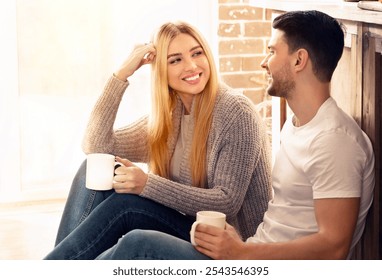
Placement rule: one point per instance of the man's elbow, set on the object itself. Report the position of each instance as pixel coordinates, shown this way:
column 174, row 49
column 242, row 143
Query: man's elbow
column 339, row 251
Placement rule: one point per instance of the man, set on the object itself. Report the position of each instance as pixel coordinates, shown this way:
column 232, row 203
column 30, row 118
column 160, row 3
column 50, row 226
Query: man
column 323, row 175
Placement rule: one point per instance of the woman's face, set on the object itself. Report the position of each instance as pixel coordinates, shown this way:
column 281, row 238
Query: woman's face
column 188, row 68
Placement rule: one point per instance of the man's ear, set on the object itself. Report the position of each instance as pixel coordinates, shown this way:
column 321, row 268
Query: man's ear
column 301, row 59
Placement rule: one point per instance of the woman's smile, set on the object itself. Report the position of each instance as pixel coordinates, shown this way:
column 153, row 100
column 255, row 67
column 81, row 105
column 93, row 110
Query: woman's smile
column 193, row 79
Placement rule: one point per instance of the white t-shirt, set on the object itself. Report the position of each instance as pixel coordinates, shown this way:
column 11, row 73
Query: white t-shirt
column 329, row 157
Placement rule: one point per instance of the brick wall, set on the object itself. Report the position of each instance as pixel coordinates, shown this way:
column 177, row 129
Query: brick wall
column 243, row 33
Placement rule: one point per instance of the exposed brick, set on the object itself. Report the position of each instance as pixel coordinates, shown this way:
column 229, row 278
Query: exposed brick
column 265, row 107
column 244, row 33
column 268, row 14
column 229, row 1
column 249, row 46
column 243, row 80
column 257, row 29
column 229, row 30
column 240, row 12
column 252, row 63
column 262, row 78
column 256, row 95
column 232, row 1
column 230, row 64
column 241, row 63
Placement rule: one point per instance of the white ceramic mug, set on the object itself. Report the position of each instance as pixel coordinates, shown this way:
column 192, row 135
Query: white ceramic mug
column 212, row 218
column 100, row 171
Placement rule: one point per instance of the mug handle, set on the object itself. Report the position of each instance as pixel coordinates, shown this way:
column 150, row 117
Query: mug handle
column 192, row 233
column 116, row 165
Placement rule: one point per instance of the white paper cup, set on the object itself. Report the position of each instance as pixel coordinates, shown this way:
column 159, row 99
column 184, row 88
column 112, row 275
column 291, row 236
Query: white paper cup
column 212, row 218
column 100, row 171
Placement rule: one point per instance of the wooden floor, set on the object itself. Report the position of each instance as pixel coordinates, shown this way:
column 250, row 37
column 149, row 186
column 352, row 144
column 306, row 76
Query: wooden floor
column 28, row 230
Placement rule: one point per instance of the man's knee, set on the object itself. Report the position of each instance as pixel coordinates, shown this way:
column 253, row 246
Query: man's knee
column 133, row 237
column 135, row 241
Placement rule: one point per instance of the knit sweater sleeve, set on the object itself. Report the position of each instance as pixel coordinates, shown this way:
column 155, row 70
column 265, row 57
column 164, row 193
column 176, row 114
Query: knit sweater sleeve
column 234, row 149
column 100, row 136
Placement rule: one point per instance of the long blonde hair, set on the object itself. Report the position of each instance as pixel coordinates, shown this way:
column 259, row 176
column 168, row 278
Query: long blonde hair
column 164, row 101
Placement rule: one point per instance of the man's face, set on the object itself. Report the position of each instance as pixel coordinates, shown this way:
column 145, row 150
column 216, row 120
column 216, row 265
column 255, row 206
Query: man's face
column 277, row 64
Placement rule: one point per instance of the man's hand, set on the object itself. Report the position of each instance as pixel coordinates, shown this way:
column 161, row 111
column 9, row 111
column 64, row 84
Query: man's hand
column 220, row 244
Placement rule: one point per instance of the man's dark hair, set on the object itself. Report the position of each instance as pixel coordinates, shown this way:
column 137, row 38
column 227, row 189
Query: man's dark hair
column 321, row 35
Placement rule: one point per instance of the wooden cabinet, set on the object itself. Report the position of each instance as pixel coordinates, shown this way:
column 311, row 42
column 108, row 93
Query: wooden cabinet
column 357, row 88
column 371, row 243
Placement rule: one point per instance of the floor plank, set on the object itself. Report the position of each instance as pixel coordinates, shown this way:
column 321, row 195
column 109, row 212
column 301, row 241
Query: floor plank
column 28, row 230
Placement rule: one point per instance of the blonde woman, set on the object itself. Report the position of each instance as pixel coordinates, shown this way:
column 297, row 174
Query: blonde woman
column 205, row 146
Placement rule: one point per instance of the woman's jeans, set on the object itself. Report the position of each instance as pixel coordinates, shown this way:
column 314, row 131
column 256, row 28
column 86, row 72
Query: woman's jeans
column 81, row 201
column 151, row 245
column 93, row 221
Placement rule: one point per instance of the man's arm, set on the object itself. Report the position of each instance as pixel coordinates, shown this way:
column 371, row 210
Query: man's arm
column 336, row 219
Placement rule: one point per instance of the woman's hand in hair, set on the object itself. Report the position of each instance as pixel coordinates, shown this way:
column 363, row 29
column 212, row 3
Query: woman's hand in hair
column 141, row 55
column 129, row 178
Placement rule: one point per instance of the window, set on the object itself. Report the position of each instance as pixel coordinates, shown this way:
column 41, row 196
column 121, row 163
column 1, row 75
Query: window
column 58, row 56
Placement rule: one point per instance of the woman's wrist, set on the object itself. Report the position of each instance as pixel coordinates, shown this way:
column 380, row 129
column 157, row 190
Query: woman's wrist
column 120, row 75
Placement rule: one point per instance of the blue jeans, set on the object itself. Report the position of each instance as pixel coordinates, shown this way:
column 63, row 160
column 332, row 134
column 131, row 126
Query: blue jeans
column 151, row 245
column 80, row 203
column 93, row 221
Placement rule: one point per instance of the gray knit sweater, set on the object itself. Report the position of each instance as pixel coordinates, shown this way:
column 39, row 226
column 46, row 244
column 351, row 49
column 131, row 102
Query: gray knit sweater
column 238, row 160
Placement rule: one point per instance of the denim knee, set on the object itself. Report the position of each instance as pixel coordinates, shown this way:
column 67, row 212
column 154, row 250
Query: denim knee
column 129, row 247
column 136, row 239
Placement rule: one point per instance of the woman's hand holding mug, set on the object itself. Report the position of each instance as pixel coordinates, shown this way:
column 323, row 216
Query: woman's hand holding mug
column 129, row 178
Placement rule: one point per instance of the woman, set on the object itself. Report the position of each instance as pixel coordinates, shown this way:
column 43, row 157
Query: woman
column 205, row 147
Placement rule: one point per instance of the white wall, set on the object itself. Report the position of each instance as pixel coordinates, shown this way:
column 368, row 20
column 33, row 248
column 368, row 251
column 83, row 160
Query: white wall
column 9, row 117
column 59, row 55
